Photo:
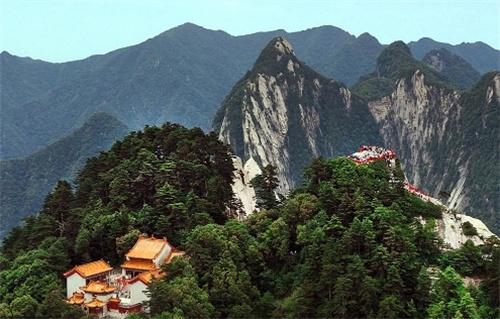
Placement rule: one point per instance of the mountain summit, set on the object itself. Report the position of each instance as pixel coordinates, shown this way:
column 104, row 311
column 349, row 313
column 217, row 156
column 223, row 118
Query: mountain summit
column 277, row 55
column 277, row 50
column 284, row 113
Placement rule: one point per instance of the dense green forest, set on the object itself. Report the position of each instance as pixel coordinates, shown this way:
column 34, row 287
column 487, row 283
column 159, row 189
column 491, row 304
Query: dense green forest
column 346, row 244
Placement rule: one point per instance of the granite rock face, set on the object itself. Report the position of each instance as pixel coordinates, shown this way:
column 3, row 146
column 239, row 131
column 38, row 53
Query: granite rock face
column 447, row 140
column 285, row 114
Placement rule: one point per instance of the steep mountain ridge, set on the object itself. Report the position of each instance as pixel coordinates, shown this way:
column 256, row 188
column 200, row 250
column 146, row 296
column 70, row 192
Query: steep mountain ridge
column 453, row 67
column 394, row 63
column 284, row 113
column 440, row 134
column 487, row 60
column 448, row 223
column 181, row 75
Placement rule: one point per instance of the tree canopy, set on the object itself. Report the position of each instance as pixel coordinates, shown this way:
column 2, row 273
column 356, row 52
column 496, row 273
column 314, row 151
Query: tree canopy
column 345, row 244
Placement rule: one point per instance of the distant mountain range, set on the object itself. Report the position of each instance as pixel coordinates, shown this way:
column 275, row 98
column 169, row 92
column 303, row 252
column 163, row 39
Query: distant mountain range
column 481, row 56
column 181, row 75
column 26, row 182
column 49, row 127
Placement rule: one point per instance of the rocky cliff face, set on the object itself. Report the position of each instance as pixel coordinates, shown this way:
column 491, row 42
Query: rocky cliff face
column 283, row 113
column 447, row 141
column 406, row 126
column 450, row 230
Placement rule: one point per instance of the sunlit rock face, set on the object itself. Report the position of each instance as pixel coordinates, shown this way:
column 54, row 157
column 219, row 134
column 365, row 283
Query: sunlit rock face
column 242, row 188
column 446, row 140
column 285, row 114
column 450, row 229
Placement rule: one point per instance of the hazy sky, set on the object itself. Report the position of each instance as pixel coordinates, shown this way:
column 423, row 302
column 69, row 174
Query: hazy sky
column 62, row 30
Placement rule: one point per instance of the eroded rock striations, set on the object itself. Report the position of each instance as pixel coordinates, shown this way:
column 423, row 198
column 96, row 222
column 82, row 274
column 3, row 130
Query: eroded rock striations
column 283, row 113
column 447, row 140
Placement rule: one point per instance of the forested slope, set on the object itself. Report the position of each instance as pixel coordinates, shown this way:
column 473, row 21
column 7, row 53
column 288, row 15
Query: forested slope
column 346, row 244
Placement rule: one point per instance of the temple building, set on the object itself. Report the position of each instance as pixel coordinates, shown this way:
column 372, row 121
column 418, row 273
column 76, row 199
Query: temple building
column 104, row 291
column 78, row 298
column 147, row 254
column 82, row 275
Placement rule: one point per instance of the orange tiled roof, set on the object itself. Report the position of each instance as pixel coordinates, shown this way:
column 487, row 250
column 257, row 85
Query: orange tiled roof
column 139, row 264
column 98, row 287
column 77, row 298
column 147, row 276
column 95, row 303
column 90, row 269
column 147, row 247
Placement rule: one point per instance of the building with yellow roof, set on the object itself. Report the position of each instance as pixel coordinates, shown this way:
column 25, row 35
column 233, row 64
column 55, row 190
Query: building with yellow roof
column 90, row 269
column 98, row 287
column 147, row 276
column 95, row 307
column 142, row 265
column 81, row 275
column 138, row 265
column 103, row 293
column 147, row 247
column 147, row 254
column 76, row 299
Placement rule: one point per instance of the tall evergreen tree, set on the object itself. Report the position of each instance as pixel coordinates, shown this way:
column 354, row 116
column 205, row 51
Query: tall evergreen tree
column 265, row 186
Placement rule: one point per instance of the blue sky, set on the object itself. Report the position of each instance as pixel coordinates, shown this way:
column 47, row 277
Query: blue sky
column 62, row 30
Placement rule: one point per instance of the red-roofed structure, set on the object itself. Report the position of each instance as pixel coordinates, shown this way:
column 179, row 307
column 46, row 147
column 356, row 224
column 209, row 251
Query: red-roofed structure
column 104, row 292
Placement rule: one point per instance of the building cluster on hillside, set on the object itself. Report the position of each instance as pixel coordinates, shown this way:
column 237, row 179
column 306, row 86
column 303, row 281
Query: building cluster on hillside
column 369, row 154
column 104, row 291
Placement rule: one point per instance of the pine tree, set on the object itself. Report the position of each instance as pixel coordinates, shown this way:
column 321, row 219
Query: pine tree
column 58, row 205
column 265, row 186
column 451, row 299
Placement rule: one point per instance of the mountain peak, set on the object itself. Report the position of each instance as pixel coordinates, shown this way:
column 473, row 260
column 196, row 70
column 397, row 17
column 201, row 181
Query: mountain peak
column 293, row 110
column 282, row 45
column 366, row 36
column 100, row 118
column 275, row 56
column 399, row 47
column 188, row 26
column 277, row 48
column 184, row 29
column 393, row 58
